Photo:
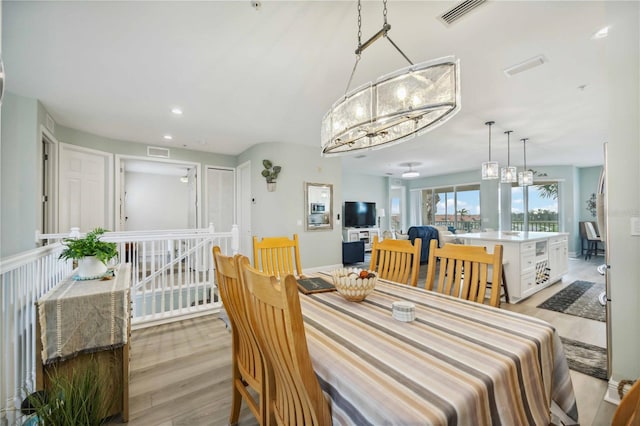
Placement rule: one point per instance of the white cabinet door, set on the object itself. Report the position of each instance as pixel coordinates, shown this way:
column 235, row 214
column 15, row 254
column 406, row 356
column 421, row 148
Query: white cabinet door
column 558, row 260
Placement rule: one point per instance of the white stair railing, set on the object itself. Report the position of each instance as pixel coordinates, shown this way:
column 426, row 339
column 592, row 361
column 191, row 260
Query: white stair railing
column 172, row 277
column 24, row 278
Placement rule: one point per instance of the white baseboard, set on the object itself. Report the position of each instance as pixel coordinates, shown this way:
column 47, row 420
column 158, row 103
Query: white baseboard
column 322, row 268
column 611, row 395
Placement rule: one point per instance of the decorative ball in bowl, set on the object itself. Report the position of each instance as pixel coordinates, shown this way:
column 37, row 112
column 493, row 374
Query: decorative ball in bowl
column 354, row 284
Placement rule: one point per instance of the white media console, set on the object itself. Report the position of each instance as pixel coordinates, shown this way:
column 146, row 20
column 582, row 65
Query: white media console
column 361, row 234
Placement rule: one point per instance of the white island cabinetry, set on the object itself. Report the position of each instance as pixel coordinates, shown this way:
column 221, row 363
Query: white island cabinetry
column 531, row 260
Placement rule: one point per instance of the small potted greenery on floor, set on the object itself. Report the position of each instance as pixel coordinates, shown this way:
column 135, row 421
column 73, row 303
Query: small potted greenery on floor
column 79, row 398
column 91, row 253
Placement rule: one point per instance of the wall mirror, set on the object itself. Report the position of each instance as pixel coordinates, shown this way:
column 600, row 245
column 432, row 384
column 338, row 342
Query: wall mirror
column 318, row 205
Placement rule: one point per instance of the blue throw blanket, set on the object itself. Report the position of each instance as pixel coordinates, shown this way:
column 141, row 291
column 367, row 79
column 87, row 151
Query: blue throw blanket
column 426, row 233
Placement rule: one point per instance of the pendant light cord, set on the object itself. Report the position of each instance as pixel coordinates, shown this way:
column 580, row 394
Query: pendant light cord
column 524, row 142
column 490, row 123
column 508, row 132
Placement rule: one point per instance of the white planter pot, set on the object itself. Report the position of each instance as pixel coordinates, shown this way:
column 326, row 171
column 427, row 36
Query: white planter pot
column 91, row 267
column 271, row 186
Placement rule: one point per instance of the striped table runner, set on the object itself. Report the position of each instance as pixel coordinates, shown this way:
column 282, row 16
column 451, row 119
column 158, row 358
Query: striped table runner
column 84, row 316
column 458, row 363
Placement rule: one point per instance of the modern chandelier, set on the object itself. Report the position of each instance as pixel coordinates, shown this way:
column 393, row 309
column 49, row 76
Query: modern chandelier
column 508, row 174
column 394, row 108
column 490, row 168
column 525, row 177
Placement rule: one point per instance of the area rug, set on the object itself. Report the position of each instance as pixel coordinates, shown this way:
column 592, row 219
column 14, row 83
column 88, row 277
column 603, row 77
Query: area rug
column 586, row 358
column 580, row 298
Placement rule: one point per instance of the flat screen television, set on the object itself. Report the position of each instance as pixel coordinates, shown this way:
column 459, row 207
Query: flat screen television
column 359, row 214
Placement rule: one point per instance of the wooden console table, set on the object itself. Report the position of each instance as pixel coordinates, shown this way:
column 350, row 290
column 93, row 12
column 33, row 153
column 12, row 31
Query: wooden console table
column 83, row 320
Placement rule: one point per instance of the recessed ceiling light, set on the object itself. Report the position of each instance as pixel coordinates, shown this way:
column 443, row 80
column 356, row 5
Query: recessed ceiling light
column 168, row 137
column 176, row 111
column 601, row 33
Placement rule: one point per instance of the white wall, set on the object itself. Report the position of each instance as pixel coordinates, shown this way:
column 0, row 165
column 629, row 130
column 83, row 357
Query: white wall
column 155, row 202
column 623, row 186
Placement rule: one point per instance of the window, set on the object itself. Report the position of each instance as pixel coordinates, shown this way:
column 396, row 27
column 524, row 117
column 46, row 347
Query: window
column 397, row 198
column 542, row 207
column 457, row 206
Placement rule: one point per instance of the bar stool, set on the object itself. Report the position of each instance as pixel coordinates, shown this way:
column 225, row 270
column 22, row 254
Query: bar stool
column 503, row 283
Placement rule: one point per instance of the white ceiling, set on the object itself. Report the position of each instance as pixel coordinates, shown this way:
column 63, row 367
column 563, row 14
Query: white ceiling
column 245, row 76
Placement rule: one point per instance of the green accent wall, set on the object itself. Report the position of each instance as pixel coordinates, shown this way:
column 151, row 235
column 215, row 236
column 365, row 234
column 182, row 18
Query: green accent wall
column 282, row 212
column 19, row 191
column 589, row 178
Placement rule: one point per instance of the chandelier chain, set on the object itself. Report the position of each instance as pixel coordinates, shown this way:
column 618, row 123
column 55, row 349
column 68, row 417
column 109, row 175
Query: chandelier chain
column 359, row 24
column 384, row 11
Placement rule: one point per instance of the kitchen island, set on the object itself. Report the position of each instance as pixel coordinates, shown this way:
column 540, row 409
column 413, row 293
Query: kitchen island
column 531, row 260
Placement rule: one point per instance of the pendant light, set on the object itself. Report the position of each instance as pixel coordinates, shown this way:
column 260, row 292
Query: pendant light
column 508, row 174
column 490, row 168
column 396, row 107
column 525, row 177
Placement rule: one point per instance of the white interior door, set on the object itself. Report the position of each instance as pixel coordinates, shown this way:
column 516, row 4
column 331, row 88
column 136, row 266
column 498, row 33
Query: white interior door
column 244, row 209
column 122, row 198
column 192, row 204
column 221, row 194
column 85, row 188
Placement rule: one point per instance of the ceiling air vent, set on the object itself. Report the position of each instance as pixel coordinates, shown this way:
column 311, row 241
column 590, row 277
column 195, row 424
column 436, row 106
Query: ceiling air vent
column 153, row 151
column 524, row 66
column 460, row 10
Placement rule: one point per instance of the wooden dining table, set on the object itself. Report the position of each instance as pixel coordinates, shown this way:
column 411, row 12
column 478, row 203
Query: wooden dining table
column 457, row 363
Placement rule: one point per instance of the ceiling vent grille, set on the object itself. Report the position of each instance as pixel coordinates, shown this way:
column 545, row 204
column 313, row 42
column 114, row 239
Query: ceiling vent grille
column 153, row 151
column 524, row 66
column 460, row 10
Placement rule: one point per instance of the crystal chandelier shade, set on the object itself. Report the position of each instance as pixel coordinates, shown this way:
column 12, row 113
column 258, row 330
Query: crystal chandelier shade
column 393, row 109
column 525, row 177
column 396, row 107
column 508, row 174
column 490, row 169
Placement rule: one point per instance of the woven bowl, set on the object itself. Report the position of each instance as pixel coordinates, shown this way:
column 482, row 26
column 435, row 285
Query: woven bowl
column 350, row 286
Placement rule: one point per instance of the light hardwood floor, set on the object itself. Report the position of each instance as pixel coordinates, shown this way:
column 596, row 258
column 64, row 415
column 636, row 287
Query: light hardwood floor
column 181, row 374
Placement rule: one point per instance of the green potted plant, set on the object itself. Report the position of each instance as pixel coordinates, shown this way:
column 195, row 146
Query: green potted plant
column 91, row 253
column 81, row 397
column 270, row 173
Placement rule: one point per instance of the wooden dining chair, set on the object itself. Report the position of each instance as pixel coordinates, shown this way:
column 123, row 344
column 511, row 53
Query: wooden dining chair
column 396, row 260
column 628, row 412
column 277, row 256
column 294, row 393
column 463, row 271
column 247, row 361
